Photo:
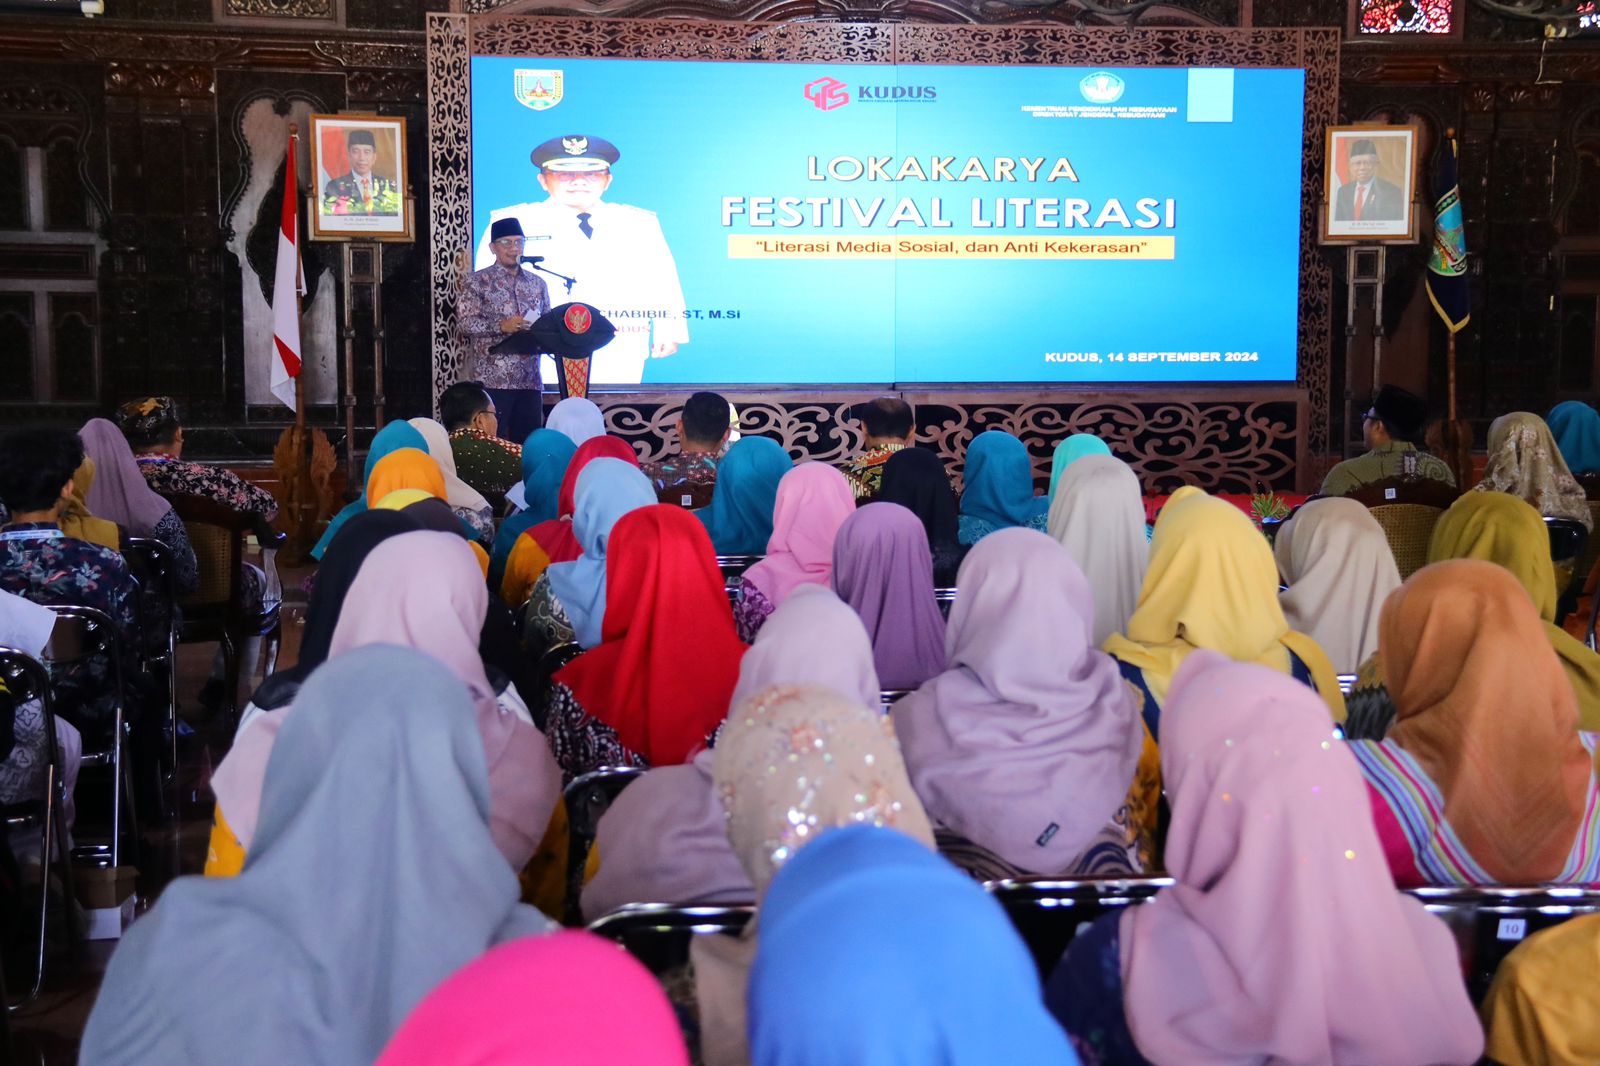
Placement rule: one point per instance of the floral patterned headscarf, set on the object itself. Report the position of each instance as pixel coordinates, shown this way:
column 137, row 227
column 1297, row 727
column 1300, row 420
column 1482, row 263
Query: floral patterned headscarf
column 1525, row 462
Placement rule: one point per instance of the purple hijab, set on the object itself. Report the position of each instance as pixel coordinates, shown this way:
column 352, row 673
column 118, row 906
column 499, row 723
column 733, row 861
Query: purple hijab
column 1028, row 744
column 120, row 493
column 882, row 567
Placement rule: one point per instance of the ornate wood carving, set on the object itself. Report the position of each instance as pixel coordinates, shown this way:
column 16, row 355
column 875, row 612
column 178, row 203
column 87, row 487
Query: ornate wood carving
column 289, row 9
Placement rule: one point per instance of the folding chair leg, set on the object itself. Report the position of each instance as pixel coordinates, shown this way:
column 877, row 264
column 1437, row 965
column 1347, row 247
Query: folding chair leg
column 69, row 890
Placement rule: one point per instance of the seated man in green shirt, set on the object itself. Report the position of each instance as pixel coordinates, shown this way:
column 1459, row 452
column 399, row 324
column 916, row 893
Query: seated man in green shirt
column 1391, row 429
column 483, row 460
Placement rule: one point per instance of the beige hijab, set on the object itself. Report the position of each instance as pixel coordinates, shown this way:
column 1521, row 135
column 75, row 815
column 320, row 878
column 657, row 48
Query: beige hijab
column 1525, row 462
column 1335, row 559
column 793, row 762
column 1097, row 513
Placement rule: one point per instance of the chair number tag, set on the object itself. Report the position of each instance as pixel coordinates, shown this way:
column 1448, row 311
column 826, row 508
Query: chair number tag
column 1389, row 494
column 1513, row 928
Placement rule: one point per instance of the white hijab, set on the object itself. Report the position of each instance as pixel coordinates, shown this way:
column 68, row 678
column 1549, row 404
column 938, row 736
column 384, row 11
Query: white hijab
column 578, row 418
column 457, row 492
column 24, row 625
column 1098, row 516
column 1335, row 559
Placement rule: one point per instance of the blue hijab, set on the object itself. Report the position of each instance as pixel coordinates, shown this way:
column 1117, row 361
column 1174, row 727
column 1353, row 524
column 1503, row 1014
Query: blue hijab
column 900, row 960
column 999, row 482
column 545, row 455
column 1576, row 427
column 607, row 490
column 1069, row 451
column 391, row 438
column 740, row 516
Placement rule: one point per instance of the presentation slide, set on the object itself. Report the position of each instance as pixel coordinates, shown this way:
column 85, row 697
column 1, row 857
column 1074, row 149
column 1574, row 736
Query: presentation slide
column 760, row 223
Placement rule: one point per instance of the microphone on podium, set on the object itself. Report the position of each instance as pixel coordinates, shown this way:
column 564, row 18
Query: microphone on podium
column 533, row 259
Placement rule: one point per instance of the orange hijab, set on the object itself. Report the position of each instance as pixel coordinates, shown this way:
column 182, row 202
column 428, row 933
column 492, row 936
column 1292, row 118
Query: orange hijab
column 1483, row 704
column 405, row 468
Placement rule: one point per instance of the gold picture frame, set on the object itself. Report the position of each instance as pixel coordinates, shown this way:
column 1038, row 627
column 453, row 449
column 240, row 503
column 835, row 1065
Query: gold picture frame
column 360, row 190
column 1384, row 206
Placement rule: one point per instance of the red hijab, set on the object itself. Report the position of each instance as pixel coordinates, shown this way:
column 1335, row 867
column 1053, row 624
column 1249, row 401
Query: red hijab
column 668, row 659
column 556, row 536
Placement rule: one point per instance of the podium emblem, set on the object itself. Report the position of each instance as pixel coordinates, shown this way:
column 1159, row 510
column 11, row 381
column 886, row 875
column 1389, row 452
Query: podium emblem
column 578, row 319
column 538, row 89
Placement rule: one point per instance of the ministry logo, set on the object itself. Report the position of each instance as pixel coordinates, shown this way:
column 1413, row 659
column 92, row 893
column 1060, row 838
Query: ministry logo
column 538, row 89
column 827, row 93
column 1102, row 87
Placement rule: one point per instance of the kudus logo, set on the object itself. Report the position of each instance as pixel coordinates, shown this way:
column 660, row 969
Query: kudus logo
column 827, row 94
column 1102, row 87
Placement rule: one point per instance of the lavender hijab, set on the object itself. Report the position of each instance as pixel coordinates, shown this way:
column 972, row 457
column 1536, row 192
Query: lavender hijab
column 1028, row 743
column 120, row 493
column 883, row 568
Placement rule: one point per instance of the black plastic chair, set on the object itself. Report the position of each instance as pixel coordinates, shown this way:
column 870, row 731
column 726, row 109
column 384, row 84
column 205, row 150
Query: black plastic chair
column 1490, row 920
column 945, row 598
column 1049, row 911
column 26, row 680
column 734, row 565
column 587, row 799
column 659, row 934
column 1568, row 539
column 152, row 564
column 80, row 634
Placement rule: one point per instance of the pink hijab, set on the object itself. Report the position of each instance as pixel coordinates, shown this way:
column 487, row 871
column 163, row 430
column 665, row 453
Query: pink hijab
column 120, row 493
column 1284, row 939
column 422, row 590
column 665, row 839
column 814, row 499
column 1027, row 745
column 556, row 1000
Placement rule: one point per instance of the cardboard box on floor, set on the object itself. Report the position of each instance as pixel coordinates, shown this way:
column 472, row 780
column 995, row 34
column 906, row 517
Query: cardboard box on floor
column 107, row 896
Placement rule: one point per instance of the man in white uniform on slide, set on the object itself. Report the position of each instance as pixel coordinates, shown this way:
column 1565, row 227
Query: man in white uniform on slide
column 616, row 254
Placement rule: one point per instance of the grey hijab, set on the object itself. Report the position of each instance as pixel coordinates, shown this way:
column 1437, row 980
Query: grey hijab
column 372, row 878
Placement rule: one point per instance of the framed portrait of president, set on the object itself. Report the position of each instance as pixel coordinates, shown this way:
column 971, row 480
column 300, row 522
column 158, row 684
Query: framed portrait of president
column 1370, row 185
column 359, row 179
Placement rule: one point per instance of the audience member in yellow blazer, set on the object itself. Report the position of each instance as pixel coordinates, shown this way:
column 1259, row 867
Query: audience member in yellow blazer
column 1543, row 1008
column 1212, row 584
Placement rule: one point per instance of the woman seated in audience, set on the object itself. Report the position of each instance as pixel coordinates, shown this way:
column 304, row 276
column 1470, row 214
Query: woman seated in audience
column 78, row 522
column 1029, row 753
column 1576, row 428
column 1484, row 777
column 545, row 455
column 1097, row 514
column 390, row 438
column 466, row 501
column 882, row 568
column 420, row 591
column 665, row 838
column 1543, row 1008
column 1336, row 560
column 25, row 748
column 1501, row 529
column 658, row 683
column 556, row 999
column 915, row 478
column 1525, row 462
column 742, row 505
column 120, row 494
column 553, row 541
column 152, row 427
column 1068, row 451
column 568, row 603
column 793, row 762
column 999, row 488
column 40, row 563
column 410, row 480
column 377, row 789
column 897, row 959
column 578, row 418
column 1212, row 584
column 1284, row 939
column 812, row 503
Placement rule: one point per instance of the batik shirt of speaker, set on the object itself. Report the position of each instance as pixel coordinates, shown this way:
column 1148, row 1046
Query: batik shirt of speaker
column 623, row 267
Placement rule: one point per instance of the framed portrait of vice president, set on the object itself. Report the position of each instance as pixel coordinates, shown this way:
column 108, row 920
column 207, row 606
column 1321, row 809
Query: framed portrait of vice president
column 359, row 179
column 1370, row 186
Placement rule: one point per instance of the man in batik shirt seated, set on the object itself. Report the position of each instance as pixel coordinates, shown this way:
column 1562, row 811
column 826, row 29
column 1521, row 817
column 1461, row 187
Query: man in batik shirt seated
column 688, row 478
column 888, row 425
column 483, row 460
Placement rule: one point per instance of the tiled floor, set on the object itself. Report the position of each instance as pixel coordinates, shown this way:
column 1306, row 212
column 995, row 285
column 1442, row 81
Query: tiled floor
column 47, row 1031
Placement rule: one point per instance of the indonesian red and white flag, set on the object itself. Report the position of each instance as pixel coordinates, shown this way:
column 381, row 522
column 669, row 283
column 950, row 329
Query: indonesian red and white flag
column 288, row 285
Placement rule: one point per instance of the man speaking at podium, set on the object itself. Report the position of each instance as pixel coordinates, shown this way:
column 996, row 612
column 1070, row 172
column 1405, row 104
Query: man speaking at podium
column 616, row 255
column 503, row 298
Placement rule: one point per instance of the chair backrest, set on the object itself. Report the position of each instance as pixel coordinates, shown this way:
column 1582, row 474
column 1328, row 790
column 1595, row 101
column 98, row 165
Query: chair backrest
column 25, row 677
column 1591, row 485
column 1049, row 911
column 1409, row 529
column 79, row 633
column 1489, row 920
column 1568, row 538
column 217, row 534
column 1346, row 682
column 734, row 565
column 1421, row 490
column 590, row 795
column 690, row 495
column 658, row 934
column 890, row 696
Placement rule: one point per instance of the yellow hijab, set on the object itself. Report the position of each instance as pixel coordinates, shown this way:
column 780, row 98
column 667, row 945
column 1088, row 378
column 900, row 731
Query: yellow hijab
column 1212, row 583
column 1503, row 529
column 77, row 522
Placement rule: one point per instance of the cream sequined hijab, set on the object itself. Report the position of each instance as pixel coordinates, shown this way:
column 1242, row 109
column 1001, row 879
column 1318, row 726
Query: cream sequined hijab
column 1525, row 462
